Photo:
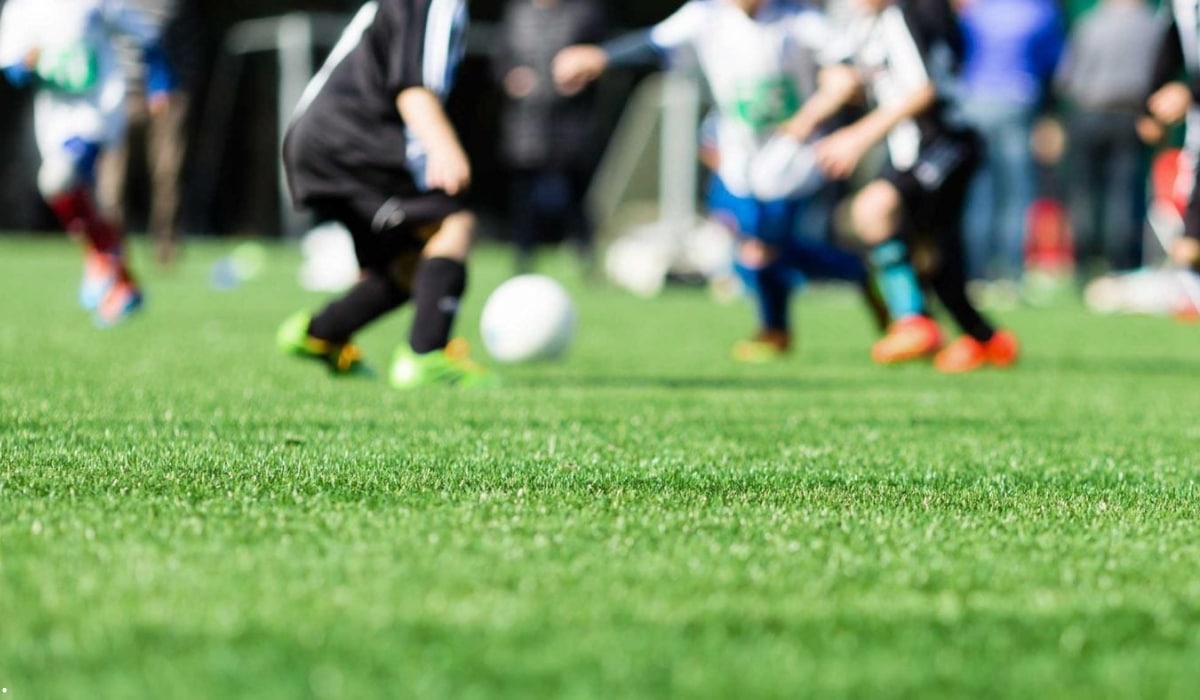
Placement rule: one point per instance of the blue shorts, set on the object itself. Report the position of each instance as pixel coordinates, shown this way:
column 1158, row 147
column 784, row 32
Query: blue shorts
column 774, row 223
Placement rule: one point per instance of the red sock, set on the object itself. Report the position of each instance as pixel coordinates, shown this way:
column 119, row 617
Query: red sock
column 78, row 214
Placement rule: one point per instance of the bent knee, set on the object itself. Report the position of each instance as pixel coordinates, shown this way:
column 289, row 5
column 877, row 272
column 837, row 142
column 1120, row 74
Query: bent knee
column 754, row 254
column 452, row 238
column 875, row 212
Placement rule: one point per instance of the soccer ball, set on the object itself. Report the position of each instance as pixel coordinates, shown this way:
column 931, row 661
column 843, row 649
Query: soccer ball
column 529, row 317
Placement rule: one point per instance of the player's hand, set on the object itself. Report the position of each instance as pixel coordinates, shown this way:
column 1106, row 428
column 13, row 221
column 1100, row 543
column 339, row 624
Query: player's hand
column 32, row 56
column 448, row 169
column 1186, row 252
column 576, row 66
column 1150, row 130
column 1170, row 103
column 520, row 82
column 840, row 153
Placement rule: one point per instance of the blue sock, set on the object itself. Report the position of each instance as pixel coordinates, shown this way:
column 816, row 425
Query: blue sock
column 897, row 280
column 771, row 287
column 823, row 261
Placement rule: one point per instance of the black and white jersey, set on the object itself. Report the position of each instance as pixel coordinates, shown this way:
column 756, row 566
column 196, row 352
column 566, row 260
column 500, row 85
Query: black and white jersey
column 898, row 51
column 1180, row 48
column 1179, row 53
column 347, row 129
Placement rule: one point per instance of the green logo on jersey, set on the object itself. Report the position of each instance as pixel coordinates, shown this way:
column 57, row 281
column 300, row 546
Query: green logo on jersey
column 74, row 69
column 766, row 103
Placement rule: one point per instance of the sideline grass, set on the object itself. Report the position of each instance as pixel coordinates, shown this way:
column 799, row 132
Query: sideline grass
column 184, row 514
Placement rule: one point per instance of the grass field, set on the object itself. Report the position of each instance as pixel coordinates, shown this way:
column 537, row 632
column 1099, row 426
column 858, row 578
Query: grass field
column 183, row 514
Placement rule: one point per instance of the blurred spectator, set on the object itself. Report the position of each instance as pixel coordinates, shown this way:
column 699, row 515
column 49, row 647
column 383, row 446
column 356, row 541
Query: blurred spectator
column 548, row 139
column 1105, row 77
column 1012, row 49
column 156, row 127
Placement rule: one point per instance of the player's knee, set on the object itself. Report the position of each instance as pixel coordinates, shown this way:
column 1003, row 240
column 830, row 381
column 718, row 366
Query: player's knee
column 453, row 238
column 57, row 177
column 875, row 211
column 754, row 254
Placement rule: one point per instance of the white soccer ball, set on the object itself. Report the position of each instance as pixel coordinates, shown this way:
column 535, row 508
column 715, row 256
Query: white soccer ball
column 528, row 318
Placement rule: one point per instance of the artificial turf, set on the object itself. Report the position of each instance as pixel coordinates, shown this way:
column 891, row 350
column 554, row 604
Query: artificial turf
column 185, row 514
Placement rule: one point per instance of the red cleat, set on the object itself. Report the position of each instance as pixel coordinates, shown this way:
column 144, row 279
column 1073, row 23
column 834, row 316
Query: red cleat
column 967, row 354
column 911, row 338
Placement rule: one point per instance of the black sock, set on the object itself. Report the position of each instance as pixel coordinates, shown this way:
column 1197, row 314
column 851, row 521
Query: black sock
column 437, row 288
column 372, row 297
column 950, row 284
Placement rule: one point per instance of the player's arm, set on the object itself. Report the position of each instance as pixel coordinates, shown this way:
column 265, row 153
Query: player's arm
column 1170, row 97
column 448, row 168
column 18, row 60
column 576, row 66
column 837, row 86
column 840, row 152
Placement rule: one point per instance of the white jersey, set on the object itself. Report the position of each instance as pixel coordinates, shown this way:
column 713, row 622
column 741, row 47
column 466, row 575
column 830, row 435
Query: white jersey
column 760, row 69
column 75, row 28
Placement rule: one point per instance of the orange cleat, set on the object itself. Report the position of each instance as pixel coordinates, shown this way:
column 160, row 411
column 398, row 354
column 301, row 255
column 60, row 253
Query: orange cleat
column 100, row 274
column 911, row 338
column 1003, row 349
column 967, row 354
column 121, row 301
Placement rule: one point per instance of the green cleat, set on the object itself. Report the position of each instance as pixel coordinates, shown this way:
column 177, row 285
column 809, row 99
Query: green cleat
column 342, row 359
column 448, row 367
column 768, row 346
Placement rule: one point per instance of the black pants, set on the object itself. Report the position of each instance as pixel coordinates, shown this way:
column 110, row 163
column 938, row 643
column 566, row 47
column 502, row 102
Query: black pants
column 547, row 206
column 1106, row 193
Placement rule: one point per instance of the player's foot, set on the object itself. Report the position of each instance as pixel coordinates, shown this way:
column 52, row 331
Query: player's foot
column 448, row 367
column 119, row 303
column 341, row 358
column 967, row 354
column 767, row 346
column 99, row 275
column 1003, row 349
column 911, row 338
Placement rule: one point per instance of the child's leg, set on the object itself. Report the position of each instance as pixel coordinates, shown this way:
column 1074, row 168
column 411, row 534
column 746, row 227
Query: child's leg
column 769, row 280
column 878, row 217
column 375, row 295
column 949, row 279
column 440, row 281
column 383, row 288
column 66, row 181
column 757, row 226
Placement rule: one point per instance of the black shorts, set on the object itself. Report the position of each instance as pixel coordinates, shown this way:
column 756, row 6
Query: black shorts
column 934, row 189
column 386, row 213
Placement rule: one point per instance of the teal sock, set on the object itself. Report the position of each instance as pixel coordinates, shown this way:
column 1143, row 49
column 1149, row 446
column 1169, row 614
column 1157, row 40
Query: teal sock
column 897, row 280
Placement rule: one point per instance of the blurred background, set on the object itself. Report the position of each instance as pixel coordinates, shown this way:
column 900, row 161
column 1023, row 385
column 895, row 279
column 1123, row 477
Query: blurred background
column 1070, row 206
column 232, row 127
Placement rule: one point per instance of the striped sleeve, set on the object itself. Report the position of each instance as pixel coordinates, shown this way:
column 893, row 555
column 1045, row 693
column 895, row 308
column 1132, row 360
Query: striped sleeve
column 424, row 41
column 908, row 48
column 926, row 43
